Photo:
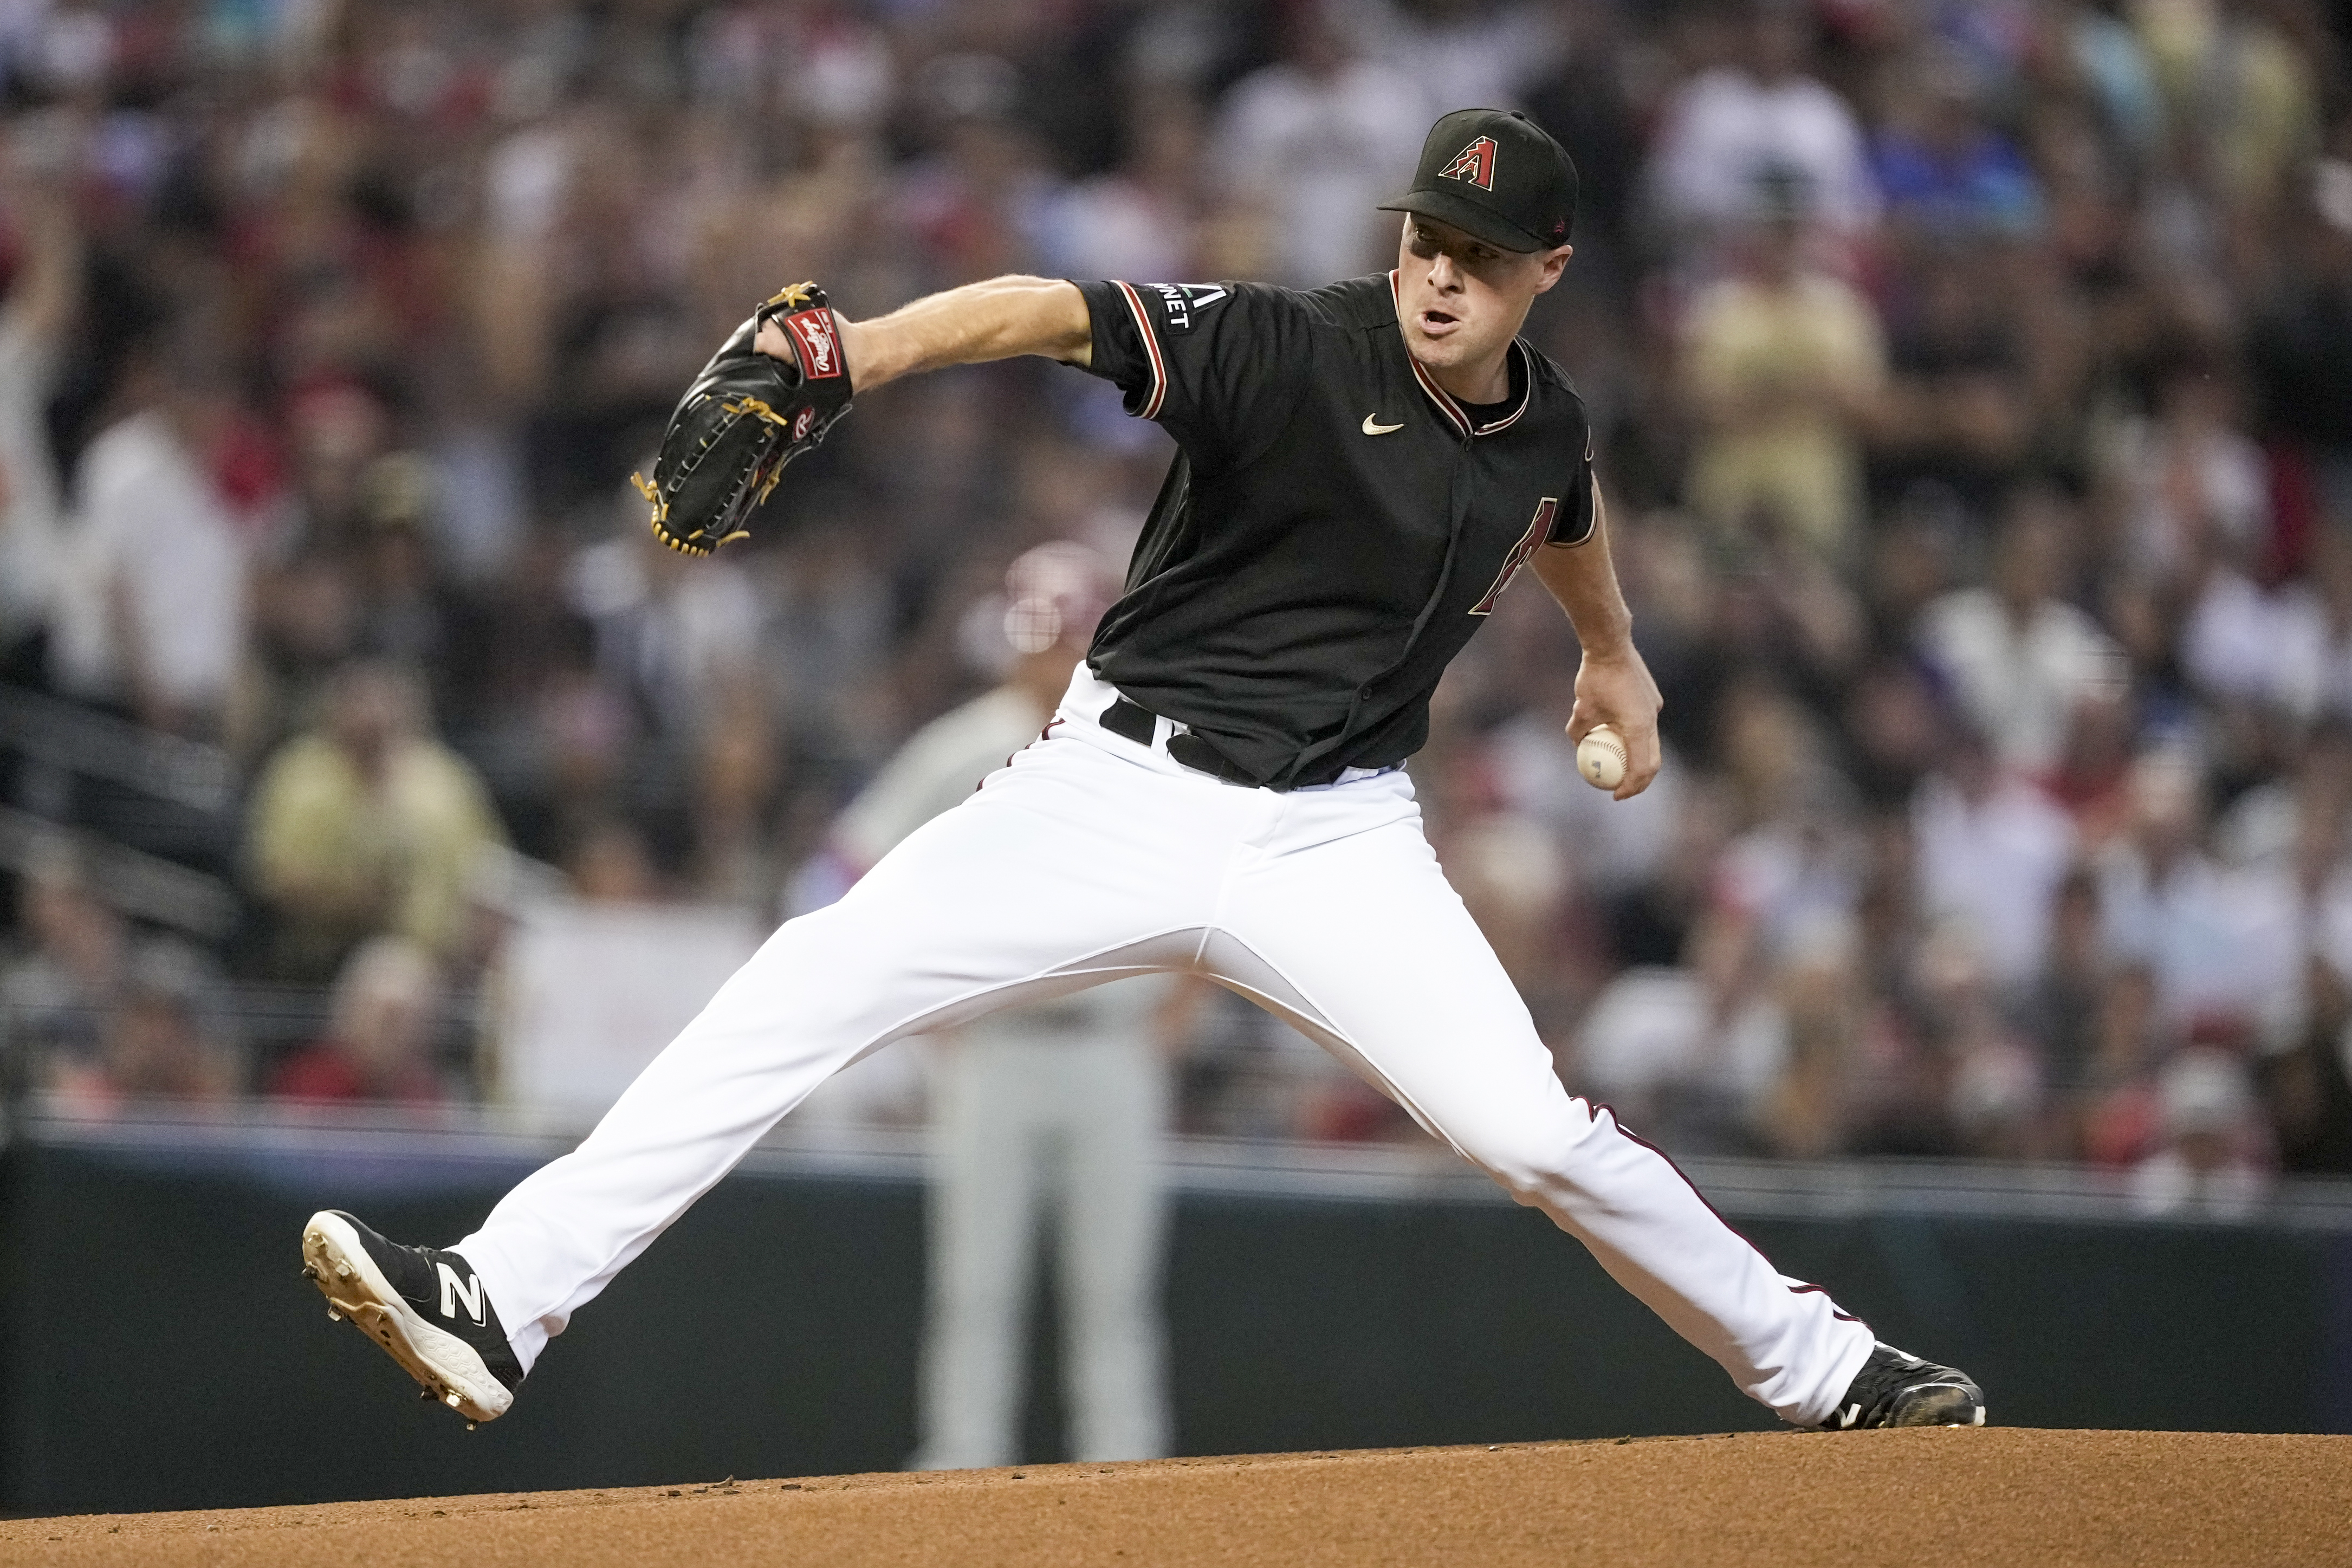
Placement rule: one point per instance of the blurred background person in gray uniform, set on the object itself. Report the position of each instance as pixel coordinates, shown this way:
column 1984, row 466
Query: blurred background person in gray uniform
column 1054, row 1112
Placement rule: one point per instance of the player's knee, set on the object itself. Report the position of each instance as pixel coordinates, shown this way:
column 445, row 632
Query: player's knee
column 1529, row 1156
column 1533, row 1149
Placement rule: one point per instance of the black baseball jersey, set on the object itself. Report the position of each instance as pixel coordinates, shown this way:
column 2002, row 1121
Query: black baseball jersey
column 1334, row 526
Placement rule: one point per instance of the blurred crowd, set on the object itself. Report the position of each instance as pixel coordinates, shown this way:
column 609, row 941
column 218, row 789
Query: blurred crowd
column 1973, row 381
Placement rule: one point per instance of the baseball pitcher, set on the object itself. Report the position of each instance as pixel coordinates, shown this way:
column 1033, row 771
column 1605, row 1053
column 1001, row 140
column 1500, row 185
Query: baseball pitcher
column 1363, row 471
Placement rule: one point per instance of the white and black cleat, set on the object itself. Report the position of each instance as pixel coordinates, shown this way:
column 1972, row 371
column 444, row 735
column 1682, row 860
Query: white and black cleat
column 426, row 1307
column 1897, row 1390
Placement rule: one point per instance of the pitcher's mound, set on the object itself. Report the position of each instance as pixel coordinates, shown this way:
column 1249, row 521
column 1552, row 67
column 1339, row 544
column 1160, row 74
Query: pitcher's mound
column 1994, row 1496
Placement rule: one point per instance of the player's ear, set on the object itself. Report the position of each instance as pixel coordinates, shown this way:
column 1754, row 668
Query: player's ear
column 1555, row 261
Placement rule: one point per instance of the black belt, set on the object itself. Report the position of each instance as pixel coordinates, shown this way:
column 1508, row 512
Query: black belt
column 1133, row 722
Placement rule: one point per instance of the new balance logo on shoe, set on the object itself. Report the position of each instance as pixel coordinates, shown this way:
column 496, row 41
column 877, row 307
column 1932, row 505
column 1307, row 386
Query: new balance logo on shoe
column 459, row 1354
column 453, row 1292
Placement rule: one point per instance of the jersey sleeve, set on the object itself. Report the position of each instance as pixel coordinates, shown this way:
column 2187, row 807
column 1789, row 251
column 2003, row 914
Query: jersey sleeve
column 1572, row 524
column 1219, row 365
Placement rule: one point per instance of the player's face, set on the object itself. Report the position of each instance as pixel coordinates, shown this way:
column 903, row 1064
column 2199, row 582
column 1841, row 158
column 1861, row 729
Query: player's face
column 1461, row 300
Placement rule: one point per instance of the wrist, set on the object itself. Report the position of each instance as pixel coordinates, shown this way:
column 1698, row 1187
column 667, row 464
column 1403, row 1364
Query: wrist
column 863, row 353
column 1610, row 644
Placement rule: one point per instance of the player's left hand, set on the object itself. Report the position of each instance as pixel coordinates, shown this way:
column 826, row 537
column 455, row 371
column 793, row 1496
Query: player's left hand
column 1616, row 690
column 769, row 393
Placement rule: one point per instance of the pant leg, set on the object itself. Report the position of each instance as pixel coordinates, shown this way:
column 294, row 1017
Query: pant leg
column 1345, row 921
column 1113, row 1215
column 1058, row 875
column 990, row 1149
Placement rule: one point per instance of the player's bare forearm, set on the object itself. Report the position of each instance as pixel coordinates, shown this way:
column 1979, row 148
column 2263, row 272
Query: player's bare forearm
column 1613, row 685
column 1000, row 319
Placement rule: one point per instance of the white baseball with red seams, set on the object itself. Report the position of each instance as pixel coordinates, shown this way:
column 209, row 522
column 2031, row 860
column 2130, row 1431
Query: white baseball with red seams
column 1091, row 857
column 1600, row 757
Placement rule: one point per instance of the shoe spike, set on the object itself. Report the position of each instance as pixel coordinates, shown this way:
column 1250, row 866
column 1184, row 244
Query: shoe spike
column 451, row 1399
column 310, row 1272
column 333, row 1316
column 342, row 1270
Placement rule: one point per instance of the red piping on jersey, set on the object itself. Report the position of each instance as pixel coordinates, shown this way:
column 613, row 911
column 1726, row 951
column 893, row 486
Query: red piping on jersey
column 1800, row 1288
column 1150, row 409
column 1539, row 529
column 1443, row 399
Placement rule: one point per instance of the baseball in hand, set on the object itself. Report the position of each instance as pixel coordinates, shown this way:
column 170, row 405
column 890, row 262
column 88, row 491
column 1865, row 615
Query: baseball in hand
column 1600, row 757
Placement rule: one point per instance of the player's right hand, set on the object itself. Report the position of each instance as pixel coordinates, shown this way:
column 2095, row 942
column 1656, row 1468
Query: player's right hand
column 1616, row 690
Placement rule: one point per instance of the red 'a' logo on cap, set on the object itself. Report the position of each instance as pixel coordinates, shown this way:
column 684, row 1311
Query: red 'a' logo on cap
column 1475, row 163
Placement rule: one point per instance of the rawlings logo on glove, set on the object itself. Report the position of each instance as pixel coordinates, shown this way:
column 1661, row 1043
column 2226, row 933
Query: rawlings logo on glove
column 744, row 418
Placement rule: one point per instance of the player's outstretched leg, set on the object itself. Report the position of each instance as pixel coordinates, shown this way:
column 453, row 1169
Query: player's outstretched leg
column 1346, row 923
column 1071, row 867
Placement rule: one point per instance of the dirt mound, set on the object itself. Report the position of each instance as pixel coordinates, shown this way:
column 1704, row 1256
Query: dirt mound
column 1991, row 1496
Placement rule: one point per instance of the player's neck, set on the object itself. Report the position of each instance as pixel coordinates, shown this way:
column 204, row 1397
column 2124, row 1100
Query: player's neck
column 1485, row 380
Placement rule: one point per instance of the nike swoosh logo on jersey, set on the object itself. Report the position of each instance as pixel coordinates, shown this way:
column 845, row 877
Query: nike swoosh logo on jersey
column 1372, row 426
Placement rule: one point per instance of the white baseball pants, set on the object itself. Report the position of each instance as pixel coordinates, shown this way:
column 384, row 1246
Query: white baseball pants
column 1091, row 858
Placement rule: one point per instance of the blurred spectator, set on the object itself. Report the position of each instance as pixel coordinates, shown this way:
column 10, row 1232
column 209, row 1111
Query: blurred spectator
column 2019, row 657
column 1992, row 1082
column 2237, row 93
column 379, row 1038
column 1958, row 414
column 2208, row 1165
column 1314, row 140
column 1144, row 218
column 2217, row 944
column 1992, row 850
column 2195, row 484
column 2104, row 58
column 2306, row 1083
column 41, row 302
column 1808, row 1111
column 1757, row 110
column 977, row 200
column 1690, row 1054
column 2309, row 667
column 366, row 826
column 1460, row 52
column 151, row 608
column 679, row 638
column 1783, row 362
column 2061, row 1011
column 1941, row 168
column 162, row 1040
column 2301, row 337
column 57, row 988
column 1581, row 95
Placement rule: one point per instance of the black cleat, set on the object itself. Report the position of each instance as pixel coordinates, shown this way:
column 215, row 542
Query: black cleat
column 1897, row 1390
column 426, row 1307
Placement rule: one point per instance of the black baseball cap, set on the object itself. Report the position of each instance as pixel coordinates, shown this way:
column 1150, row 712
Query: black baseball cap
column 1496, row 175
